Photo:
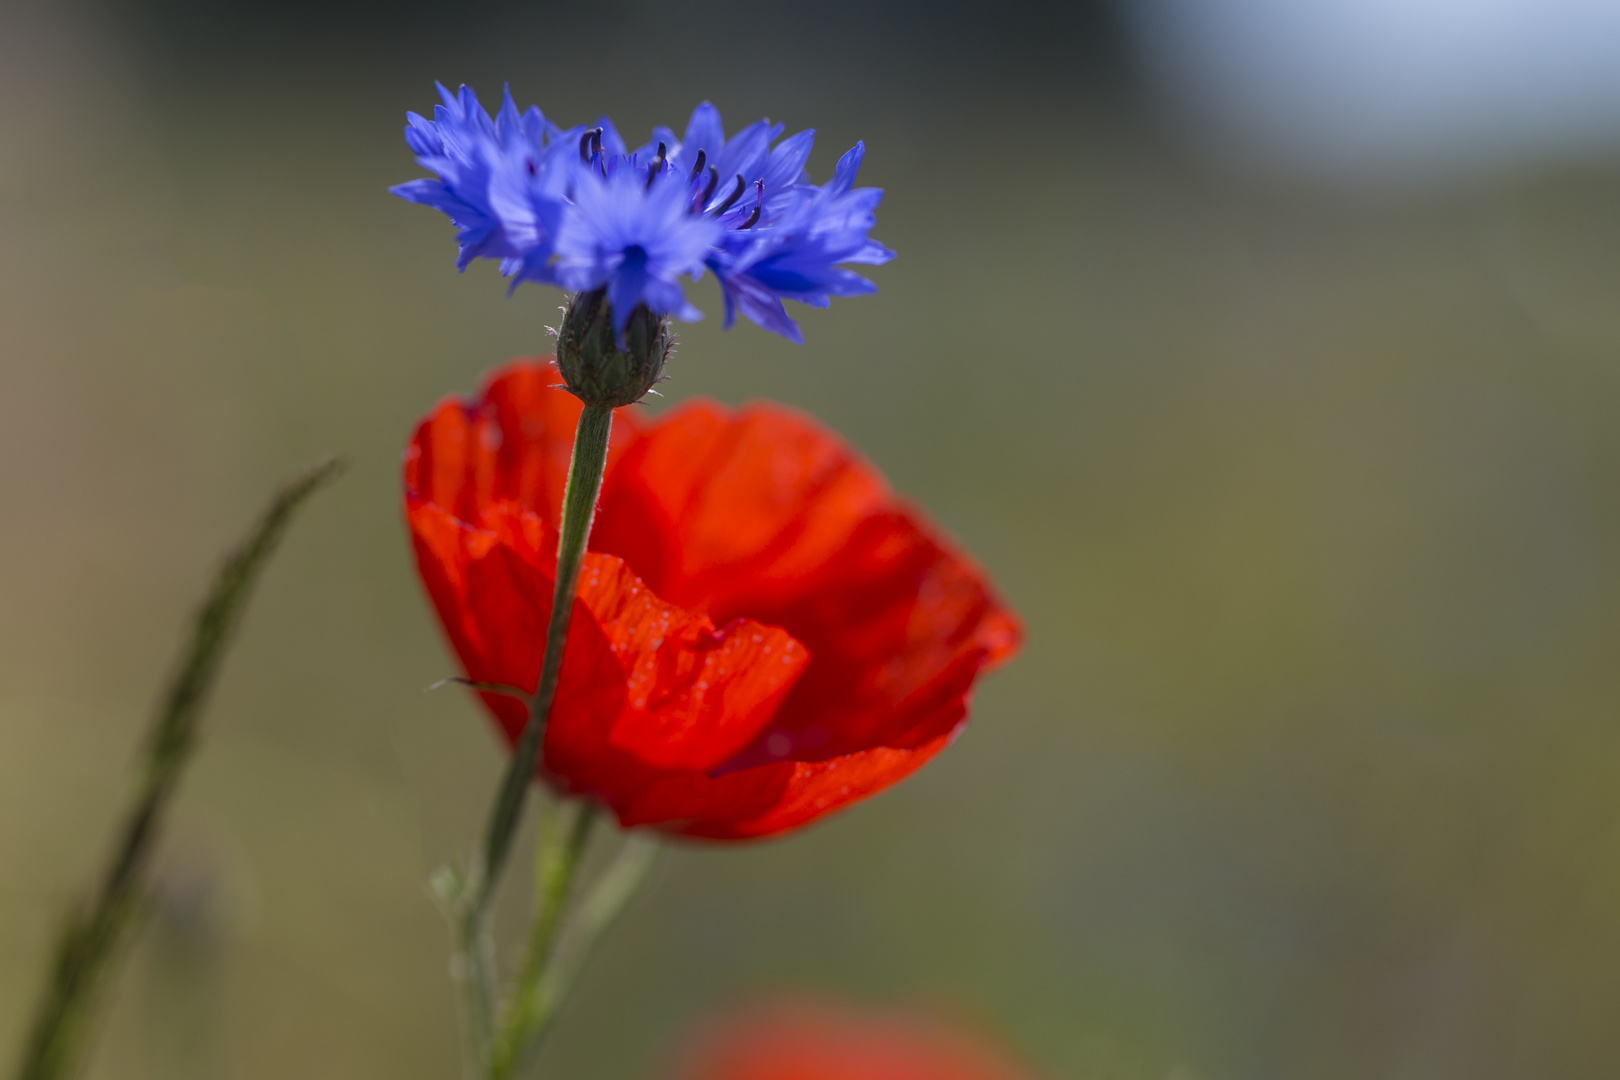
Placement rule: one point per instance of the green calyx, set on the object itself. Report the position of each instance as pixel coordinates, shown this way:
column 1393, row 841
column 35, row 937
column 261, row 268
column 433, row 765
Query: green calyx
column 594, row 366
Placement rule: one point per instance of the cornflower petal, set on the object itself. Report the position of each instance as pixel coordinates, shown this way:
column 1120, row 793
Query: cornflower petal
column 787, row 161
column 704, row 132
column 846, row 169
column 633, row 238
column 746, row 153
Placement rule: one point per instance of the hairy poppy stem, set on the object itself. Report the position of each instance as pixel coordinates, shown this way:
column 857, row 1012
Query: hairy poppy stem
column 90, row 941
column 579, row 508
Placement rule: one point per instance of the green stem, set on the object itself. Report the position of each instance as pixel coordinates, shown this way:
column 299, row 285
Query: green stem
column 90, row 941
column 578, row 510
column 557, row 858
column 598, row 911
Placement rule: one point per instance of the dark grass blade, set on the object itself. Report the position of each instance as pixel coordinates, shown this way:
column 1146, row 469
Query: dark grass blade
column 91, row 939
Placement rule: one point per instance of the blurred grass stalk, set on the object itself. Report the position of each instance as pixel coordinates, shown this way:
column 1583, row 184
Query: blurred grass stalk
column 90, row 941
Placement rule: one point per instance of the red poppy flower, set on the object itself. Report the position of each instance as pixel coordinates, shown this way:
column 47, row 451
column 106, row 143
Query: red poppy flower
column 811, row 1042
column 762, row 635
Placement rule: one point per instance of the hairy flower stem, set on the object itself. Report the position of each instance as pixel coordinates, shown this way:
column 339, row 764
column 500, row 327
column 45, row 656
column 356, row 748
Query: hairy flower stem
column 579, row 507
column 91, row 939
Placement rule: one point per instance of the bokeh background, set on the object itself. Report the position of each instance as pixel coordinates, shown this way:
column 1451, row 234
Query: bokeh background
column 1267, row 353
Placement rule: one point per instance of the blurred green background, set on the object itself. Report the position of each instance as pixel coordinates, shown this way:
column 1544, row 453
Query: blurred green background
column 1309, row 495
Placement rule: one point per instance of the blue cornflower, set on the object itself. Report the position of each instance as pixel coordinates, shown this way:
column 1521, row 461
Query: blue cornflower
column 577, row 209
column 797, row 254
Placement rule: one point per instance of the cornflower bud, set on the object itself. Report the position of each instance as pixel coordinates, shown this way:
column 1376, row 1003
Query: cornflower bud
column 603, row 371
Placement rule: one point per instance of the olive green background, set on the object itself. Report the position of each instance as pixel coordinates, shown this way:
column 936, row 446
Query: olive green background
column 1310, row 767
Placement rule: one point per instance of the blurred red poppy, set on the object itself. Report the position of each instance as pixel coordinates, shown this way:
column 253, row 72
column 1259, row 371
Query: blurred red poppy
column 763, row 632
column 814, row 1042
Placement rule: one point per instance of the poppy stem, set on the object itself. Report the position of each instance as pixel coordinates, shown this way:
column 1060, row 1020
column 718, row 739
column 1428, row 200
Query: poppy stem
column 578, row 510
column 558, row 852
column 597, row 911
column 91, row 939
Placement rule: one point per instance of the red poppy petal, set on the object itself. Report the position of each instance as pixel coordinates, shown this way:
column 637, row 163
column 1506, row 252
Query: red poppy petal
column 772, row 799
column 512, row 441
column 696, row 695
column 495, row 601
column 445, row 548
column 763, row 512
column 723, row 512
column 900, row 628
column 645, row 686
column 818, row 1042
